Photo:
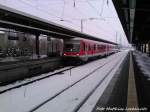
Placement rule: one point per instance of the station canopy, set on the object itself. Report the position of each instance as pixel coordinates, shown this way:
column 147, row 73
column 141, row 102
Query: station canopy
column 135, row 18
column 20, row 21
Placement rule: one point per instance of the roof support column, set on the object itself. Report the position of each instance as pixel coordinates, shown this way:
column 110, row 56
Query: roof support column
column 132, row 5
column 37, row 45
column 149, row 49
column 141, row 47
column 145, row 48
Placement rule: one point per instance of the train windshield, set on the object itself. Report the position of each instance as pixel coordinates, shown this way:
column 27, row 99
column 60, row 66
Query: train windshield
column 72, row 47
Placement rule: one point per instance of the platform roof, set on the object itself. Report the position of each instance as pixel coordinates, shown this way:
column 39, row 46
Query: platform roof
column 135, row 18
column 20, row 21
column 142, row 21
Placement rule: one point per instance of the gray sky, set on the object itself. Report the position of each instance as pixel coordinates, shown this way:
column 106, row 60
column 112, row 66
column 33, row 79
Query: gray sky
column 106, row 24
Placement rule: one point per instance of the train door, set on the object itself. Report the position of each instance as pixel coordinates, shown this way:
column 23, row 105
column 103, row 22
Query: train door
column 105, row 47
column 84, row 50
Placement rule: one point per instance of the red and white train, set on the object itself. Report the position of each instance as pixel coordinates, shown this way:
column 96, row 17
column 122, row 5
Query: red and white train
column 84, row 49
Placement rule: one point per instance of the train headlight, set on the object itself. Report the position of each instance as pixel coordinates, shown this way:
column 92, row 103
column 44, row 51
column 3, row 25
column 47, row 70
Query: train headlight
column 77, row 54
column 64, row 54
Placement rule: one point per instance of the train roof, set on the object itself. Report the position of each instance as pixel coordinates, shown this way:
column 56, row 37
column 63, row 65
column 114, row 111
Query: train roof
column 87, row 40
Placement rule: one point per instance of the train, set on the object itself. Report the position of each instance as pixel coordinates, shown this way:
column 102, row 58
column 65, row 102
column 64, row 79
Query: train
column 18, row 46
column 19, row 51
column 84, row 49
column 21, row 46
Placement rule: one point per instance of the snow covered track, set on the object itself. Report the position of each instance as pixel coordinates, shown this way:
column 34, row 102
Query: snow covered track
column 81, row 103
column 94, row 89
column 32, row 80
column 71, row 91
column 68, row 87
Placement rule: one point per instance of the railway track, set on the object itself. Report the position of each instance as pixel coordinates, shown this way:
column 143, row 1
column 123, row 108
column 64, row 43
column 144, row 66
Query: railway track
column 7, row 88
column 70, row 86
column 34, row 80
column 94, row 89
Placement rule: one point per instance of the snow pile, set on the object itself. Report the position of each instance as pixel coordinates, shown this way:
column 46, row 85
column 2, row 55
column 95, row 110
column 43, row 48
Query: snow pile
column 143, row 62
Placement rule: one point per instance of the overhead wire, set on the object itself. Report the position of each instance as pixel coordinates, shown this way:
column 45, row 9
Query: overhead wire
column 85, row 19
column 63, row 9
column 59, row 18
column 92, row 7
column 103, row 3
column 40, row 9
column 94, row 24
column 61, row 14
column 47, row 12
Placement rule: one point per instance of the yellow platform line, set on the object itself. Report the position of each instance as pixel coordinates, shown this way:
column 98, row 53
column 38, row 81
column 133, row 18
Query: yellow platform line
column 132, row 101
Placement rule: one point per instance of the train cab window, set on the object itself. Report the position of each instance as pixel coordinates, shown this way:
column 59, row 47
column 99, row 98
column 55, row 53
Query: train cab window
column 69, row 47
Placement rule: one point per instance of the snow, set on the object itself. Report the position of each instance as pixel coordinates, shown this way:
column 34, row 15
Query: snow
column 8, row 59
column 91, row 102
column 21, row 82
column 143, row 62
column 27, row 97
column 69, row 100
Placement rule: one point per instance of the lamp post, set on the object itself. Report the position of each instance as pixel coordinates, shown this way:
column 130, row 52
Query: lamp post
column 82, row 24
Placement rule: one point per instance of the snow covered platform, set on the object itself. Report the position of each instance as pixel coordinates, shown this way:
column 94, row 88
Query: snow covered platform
column 142, row 75
column 116, row 93
column 81, row 89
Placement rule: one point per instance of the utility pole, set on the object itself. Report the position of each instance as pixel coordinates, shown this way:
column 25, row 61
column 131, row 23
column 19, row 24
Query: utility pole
column 82, row 25
column 120, row 41
column 116, row 36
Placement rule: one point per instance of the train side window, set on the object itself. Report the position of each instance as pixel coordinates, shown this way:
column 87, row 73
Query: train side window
column 102, row 47
column 94, row 47
column 99, row 47
column 89, row 47
column 84, row 47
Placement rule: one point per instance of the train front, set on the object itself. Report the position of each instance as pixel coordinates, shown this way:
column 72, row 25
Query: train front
column 71, row 50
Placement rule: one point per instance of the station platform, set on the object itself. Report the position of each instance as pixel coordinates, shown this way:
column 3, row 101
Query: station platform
column 129, row 89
